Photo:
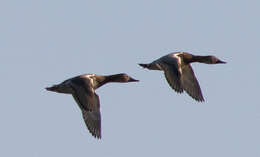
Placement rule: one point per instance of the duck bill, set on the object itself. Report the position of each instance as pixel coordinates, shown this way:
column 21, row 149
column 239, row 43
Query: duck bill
column 132, row 80
column 221, row 62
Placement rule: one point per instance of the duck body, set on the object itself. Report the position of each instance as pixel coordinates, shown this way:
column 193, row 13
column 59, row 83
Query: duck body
column 82, row 88
column 178, row 71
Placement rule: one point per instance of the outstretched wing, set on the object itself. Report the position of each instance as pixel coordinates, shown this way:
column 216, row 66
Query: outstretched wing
column 172, row 77
column 89, row 104
column 190, row 84
column 93, row 120
column 171, row 72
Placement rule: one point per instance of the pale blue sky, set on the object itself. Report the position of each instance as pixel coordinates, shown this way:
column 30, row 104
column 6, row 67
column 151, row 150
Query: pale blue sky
column 45, row 42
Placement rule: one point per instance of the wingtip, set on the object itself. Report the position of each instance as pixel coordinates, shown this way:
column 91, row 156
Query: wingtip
column 200, row 99
column 96, row 135
column 197, row 98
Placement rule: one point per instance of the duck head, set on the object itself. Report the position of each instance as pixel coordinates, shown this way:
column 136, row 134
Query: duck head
column 122, row 78
column 215, row 60
column 127, row 78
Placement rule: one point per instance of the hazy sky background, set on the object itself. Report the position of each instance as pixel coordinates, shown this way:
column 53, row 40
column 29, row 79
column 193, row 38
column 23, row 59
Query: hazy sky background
column 45, row 42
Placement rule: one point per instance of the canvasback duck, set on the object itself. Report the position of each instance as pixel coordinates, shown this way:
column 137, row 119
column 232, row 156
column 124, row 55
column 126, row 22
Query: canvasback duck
column 83, row 89
column 178, row 71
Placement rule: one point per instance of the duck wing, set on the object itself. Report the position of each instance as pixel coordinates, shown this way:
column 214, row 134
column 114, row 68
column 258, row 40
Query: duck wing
column 89, row 104
column 171, row 72
column 172, row 76
column 93, row 120
column 190, row 83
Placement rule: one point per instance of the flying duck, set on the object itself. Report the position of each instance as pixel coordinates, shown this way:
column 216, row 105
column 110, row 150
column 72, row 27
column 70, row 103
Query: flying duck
column 83, row 89
column 178, row 71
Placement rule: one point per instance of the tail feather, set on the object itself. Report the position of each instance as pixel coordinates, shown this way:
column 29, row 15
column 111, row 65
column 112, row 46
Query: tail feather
column 53, row 88
column 144, row 65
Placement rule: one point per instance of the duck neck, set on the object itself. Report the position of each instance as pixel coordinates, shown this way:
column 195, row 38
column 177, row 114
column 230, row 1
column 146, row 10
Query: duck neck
column 101, row 80
column 201, row 59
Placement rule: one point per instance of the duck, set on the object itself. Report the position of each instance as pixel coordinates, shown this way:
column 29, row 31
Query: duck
column 82, row 88
column 179, row 73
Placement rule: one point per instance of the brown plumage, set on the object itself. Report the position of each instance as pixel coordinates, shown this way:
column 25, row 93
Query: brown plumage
column 178, row 71
column 83, row 89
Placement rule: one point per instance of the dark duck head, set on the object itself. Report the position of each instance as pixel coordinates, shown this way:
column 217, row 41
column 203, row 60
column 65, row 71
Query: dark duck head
column 120, row 78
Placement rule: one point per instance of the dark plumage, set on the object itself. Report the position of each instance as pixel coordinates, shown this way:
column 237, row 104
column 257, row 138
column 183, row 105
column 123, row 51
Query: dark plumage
column 178, row 71
column 83, row 89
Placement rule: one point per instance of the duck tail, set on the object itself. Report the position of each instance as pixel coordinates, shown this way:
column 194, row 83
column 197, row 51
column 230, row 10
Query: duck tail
column 144, row 65
column 53, row 88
